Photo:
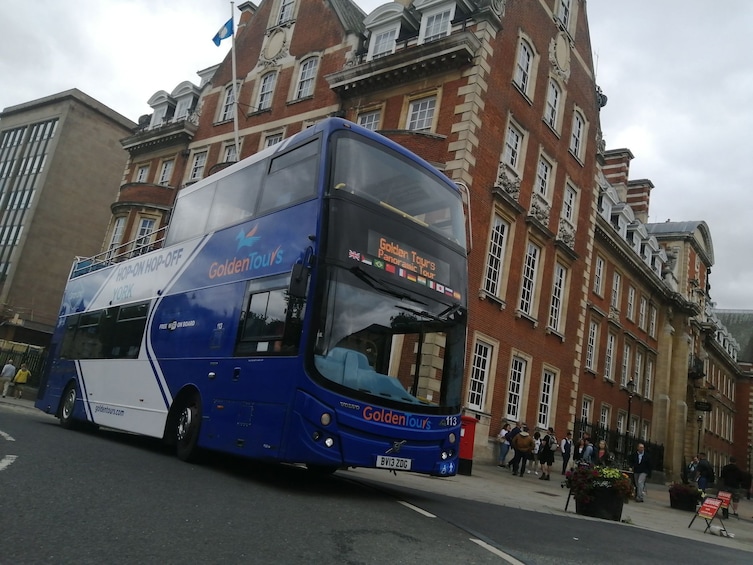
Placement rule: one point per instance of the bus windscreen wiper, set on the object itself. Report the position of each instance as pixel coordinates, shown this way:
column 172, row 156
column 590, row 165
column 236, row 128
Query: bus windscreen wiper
column 446, row 315
column 380, row 285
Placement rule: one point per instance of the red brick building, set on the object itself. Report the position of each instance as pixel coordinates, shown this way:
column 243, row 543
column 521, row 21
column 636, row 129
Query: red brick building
column 501, row 97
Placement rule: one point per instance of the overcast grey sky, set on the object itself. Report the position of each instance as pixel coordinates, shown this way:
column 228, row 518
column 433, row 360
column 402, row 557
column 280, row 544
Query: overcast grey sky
column 677, row 73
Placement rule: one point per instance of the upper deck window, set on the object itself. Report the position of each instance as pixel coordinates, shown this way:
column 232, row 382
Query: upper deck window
column 397, row 184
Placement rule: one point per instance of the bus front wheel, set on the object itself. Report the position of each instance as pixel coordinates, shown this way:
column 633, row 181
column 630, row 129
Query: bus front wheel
column 187, row 426
column 67, row 405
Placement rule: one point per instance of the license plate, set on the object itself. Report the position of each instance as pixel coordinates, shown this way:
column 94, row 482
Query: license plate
column 384, row 462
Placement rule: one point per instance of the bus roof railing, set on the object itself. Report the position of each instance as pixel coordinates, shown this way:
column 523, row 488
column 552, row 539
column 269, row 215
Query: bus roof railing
column 118, row 253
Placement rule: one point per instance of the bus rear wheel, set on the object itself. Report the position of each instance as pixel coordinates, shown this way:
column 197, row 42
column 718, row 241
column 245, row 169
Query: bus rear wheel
column 187, row 424
column 67, row 405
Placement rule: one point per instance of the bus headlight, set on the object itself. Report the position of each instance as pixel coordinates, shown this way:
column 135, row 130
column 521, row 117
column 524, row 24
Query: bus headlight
column 329, row 442
column 451, row 438
column 326, row 419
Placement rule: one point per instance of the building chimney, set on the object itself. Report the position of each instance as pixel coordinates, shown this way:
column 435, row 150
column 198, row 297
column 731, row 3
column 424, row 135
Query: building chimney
column 638, row 197
column 616, row 169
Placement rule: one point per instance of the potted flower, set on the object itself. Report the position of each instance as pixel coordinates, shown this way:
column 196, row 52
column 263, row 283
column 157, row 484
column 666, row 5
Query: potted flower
column 599, row 491
column 684, row 496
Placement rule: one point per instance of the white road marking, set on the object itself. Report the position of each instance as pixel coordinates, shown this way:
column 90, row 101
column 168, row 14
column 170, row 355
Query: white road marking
column 416, row 509
column 509, row 558
column 7, row 437
column 6, row 461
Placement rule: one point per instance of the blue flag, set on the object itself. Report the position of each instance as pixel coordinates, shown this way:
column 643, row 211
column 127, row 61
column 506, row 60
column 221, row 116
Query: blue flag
column 225, row 31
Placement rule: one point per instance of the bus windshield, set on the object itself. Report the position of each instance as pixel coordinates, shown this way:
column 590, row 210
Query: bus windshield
column 375, row 172
column 384, row 342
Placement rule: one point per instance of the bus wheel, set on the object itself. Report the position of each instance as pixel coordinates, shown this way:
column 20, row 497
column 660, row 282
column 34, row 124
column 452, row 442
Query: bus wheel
column 67, row 404
column 187, row 425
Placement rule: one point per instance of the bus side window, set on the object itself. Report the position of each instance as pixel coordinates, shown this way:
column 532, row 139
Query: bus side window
column 66, row 350
column 190, row 214
column 271, row 320
column 236, row 196
column 291, row 179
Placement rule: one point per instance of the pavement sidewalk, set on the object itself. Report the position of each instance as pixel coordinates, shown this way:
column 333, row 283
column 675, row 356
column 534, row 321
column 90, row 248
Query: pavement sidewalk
column 495, row 485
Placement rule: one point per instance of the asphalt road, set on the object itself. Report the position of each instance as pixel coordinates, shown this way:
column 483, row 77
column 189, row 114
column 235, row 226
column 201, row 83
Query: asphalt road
column 109, row 497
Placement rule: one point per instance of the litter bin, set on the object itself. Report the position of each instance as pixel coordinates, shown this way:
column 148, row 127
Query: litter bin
column 467, row 437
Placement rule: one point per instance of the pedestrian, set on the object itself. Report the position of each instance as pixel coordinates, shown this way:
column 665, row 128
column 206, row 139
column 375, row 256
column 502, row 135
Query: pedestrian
column 522, row 443
column 602, row 456
column 510, row 437
column 693, row 469
column 7, row 374
column 640, row 463
column 536, row 446
column 705, row 472
column 579, row 449
column 504, row 445
column 588, row 450
column 21, row 378
column 546, row 456
column 566, row 448
column 731, row 476
column 746, row 483
column 553, row 438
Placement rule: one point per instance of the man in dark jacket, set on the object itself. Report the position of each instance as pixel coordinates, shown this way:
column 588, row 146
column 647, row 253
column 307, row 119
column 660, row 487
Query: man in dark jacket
column 705, row 472
column 640, row 463
column 731, row 476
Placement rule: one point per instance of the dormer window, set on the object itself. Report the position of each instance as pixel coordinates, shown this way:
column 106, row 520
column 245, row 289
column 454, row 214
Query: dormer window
column 383, row 44
column 164, row 107
column 387, row 25
column 182, row 109
column 437, row 25
column 436, row 17
column 185, row 94
column 158, row 117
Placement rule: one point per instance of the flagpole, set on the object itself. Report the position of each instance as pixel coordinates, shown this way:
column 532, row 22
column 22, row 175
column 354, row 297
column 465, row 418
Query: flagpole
column 235, row 88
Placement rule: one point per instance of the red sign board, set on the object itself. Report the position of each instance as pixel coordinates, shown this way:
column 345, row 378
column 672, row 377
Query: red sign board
column 709, row 508
column 725, row 497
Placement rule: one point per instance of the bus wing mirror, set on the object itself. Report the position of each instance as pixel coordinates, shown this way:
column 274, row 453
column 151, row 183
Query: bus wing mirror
column 299, row 280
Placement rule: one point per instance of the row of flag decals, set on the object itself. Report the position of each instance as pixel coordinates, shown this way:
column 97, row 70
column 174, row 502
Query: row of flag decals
column 404, row 273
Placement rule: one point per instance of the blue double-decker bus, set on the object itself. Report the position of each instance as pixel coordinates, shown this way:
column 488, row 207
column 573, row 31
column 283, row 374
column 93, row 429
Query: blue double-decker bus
column 307, row 305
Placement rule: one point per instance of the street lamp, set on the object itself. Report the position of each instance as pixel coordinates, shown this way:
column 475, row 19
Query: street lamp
column 630, row 386
column 700, row 427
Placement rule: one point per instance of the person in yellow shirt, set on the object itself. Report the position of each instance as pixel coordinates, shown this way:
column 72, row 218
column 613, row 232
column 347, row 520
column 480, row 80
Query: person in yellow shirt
column 21, row 378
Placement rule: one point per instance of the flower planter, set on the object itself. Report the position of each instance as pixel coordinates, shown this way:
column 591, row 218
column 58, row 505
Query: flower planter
column 687, row 502
column 604, row 503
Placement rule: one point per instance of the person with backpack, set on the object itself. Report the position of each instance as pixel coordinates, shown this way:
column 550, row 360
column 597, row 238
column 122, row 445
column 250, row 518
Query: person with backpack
column 546, row 456
column 523, row 444
column 705, row 472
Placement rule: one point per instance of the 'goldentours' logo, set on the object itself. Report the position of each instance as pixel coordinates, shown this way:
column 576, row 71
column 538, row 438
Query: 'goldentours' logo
column 383, row 416
column 254, row 261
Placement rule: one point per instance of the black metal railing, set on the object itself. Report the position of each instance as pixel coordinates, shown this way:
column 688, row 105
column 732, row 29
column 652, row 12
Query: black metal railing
column 620, row 445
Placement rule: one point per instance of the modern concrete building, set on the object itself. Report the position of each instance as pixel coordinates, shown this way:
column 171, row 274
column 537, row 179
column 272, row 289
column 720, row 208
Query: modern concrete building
column 60, row 163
